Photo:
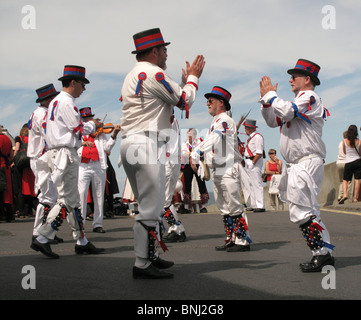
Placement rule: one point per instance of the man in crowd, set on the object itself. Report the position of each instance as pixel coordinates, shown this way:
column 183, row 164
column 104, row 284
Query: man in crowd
column 301, row 145
column 149, row 96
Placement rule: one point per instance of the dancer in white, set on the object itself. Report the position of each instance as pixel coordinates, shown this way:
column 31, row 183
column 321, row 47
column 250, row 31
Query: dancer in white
column 44, row 187
column 302, row 147
column 149, row 96
column 220, row 151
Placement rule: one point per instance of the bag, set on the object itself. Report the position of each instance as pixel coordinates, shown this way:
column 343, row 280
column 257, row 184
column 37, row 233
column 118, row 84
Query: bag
column 3, row 181
column 274, row 184
column 21, row 159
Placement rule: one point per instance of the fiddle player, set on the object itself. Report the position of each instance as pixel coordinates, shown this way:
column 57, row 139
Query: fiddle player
column 92, row 168
column 64, row 128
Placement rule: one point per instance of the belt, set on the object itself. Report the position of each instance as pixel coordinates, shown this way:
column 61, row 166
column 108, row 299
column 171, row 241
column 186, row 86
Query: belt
column 314, row 155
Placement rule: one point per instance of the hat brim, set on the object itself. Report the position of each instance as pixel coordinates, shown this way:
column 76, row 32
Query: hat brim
column 156, row 46
column 307, row 73
column 226, row 103
column 52, row 95
column 72, row 77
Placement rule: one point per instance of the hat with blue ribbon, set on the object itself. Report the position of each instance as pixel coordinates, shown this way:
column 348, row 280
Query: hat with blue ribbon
column 46, row 92
column 74, row 73
column 307, row 68
column 86, row 112
column 221, row 94
column 148, row 39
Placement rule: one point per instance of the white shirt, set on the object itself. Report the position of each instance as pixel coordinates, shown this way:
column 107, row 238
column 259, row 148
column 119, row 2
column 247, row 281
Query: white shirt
column 352, row 154
column 299, row 138
column 220, row 145
column 64, row 126
column 152, row 108
column 173, row 145
column 189, row 147
column 341, row 157
column 255, row 145
column 36, row 144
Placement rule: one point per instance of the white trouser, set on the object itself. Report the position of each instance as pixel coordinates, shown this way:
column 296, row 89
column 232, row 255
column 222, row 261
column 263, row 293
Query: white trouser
column 257, row 191
column 68, row 194
column 143, row 159
column 171, row 175
column 302, row 182
column 227, row 193
column 46, row 189
column 92, row 173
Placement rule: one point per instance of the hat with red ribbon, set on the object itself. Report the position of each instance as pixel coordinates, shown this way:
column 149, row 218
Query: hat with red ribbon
column 222, row 94
column 46, row 92
column 250, row 123
column 74, row 73
column 148, row 39
column 86, row 112
column 307, row 68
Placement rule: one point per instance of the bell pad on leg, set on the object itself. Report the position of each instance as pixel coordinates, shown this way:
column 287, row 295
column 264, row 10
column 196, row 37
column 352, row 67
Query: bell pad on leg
column 312, row 232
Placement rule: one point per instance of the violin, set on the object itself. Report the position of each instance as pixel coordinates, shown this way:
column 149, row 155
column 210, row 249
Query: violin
column 106, row 129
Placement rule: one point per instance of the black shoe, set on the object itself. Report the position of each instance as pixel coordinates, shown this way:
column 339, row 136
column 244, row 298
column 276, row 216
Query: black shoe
column 317, row 263
column 225, row 246
column 58, row 240
column 174, row 237
column 89, row 248
column 203, row 210
column 99, row 230
column 259, row 210
column 151, row 272
column 44, row 248
column 249, row 209
column 185, row 211
column 162, row 264
column 238, row 248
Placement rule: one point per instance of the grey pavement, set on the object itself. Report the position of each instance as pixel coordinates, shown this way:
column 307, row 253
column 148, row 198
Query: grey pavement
column 269, row 271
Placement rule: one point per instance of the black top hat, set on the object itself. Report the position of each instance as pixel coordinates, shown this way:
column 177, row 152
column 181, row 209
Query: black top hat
column 46, row 92
column 86, row 112
column 222, row 94
column 307, row 68
column 148, row 39
column 74, row 73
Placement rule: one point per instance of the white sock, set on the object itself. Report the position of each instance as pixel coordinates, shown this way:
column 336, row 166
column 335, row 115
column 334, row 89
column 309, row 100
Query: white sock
column 42, row 239
column 82, row 241
column 142, row 263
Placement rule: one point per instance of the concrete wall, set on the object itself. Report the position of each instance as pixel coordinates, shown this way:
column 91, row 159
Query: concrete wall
column 330, row 186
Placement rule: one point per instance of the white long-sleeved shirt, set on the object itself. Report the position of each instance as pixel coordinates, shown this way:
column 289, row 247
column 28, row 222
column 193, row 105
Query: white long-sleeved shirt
column 220, row 145
column 149, row 106
column 64, row 127
column 103, row 145
column 36, row 144
column 301, row 123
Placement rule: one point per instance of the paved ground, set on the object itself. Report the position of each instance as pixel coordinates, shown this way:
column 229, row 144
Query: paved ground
column 269, row 271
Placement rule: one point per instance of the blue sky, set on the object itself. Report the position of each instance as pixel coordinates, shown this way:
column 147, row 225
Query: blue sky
column 241, row 42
